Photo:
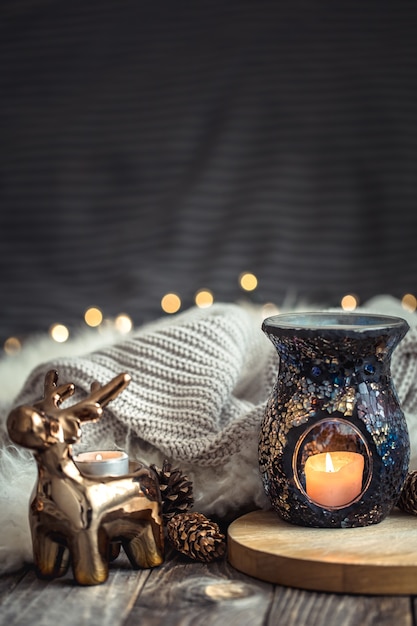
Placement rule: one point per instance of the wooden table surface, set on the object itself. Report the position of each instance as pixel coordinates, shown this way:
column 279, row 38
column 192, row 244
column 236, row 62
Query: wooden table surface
column 181, row 592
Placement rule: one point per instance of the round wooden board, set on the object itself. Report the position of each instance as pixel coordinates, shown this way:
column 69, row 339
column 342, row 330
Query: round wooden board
column 379, row 559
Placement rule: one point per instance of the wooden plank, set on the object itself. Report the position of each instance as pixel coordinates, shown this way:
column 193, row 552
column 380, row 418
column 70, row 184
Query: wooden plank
column 294, row 607
column 414, row 610
column 181, row 592
column 8, row 583
column 188, row 593
column 378, row 559
column 62, row 602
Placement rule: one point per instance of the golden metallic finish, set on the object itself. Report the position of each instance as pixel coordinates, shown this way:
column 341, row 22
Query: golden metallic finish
column 79, row 518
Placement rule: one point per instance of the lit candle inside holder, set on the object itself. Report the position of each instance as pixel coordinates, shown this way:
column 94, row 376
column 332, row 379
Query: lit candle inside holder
column 103, row 462
column 334, row 478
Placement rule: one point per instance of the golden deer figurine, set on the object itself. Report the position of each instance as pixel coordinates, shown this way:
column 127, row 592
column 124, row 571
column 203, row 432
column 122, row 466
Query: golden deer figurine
column 82, row 518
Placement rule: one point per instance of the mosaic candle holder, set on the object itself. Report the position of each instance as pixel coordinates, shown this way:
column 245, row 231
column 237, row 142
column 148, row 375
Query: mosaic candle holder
column 334, row 446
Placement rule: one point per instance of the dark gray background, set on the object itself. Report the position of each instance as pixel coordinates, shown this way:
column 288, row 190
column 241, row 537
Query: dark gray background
column 164, row 146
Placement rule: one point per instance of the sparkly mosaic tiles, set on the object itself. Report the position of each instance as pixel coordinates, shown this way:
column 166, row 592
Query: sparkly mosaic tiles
column 333, row 394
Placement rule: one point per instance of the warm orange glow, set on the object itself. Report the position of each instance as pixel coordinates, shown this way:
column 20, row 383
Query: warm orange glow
column 12, row 346
column 349, row 302
column 93, row 316
column 409, row 302
column 203, row 298
column 170, row 303
column 248, row 281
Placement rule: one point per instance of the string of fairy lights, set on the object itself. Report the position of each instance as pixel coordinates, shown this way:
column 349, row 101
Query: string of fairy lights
column 171, row 303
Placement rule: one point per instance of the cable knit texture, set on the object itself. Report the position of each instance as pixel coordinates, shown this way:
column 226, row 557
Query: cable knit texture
column 200, row 381
column 198, row 388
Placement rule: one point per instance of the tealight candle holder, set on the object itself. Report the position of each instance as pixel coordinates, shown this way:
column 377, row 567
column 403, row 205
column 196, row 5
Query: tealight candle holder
column 103, row 462
column 334, row 446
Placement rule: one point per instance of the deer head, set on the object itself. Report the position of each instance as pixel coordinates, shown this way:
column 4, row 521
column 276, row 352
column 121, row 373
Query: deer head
column 44, row 423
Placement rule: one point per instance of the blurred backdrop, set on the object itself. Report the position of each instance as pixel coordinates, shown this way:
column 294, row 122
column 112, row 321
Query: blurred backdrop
column 168, row 147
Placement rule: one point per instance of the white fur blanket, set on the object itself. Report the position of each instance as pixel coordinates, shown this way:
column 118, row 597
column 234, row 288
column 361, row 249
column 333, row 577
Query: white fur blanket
column 200, row 381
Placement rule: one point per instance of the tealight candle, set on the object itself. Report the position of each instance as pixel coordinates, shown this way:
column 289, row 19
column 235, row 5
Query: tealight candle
column 103, row 462
column 334, row 478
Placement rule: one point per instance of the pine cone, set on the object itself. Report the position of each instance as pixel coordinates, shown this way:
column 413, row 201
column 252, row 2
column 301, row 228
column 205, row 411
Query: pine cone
column 176, row 490
column 194, row 535
column 408, row 497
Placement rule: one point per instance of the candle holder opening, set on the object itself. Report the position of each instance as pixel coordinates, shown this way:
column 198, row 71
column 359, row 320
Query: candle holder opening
column 331, row 464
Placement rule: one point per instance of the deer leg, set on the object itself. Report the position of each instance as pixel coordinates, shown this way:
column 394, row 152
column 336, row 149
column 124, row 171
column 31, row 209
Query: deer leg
column 114, row 550
column 90, row 550
column 51, row 558
column 144, row 549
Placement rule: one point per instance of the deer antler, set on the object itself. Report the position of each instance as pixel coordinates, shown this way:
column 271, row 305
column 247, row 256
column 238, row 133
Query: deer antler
column 91, row 407
column 53, row 396
column 88, row 409
column 104, row 394
column 44, row 423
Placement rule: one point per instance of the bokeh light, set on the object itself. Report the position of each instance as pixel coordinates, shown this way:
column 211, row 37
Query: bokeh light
column 171, row 303
column 123, row 323
column 248, row 281
column 349, row 302
column 269, row 309
column 93, row 316
column 59, row 333
column 203, row 298
column 12, row 346
column 409, row 302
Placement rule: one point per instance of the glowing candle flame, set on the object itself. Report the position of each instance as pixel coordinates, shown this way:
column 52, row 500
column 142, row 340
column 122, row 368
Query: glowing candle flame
column 329, row 463
column 99, row 457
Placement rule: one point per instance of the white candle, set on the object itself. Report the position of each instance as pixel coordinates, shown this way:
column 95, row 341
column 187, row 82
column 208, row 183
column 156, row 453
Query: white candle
column 334, row 478
column 103, row 462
